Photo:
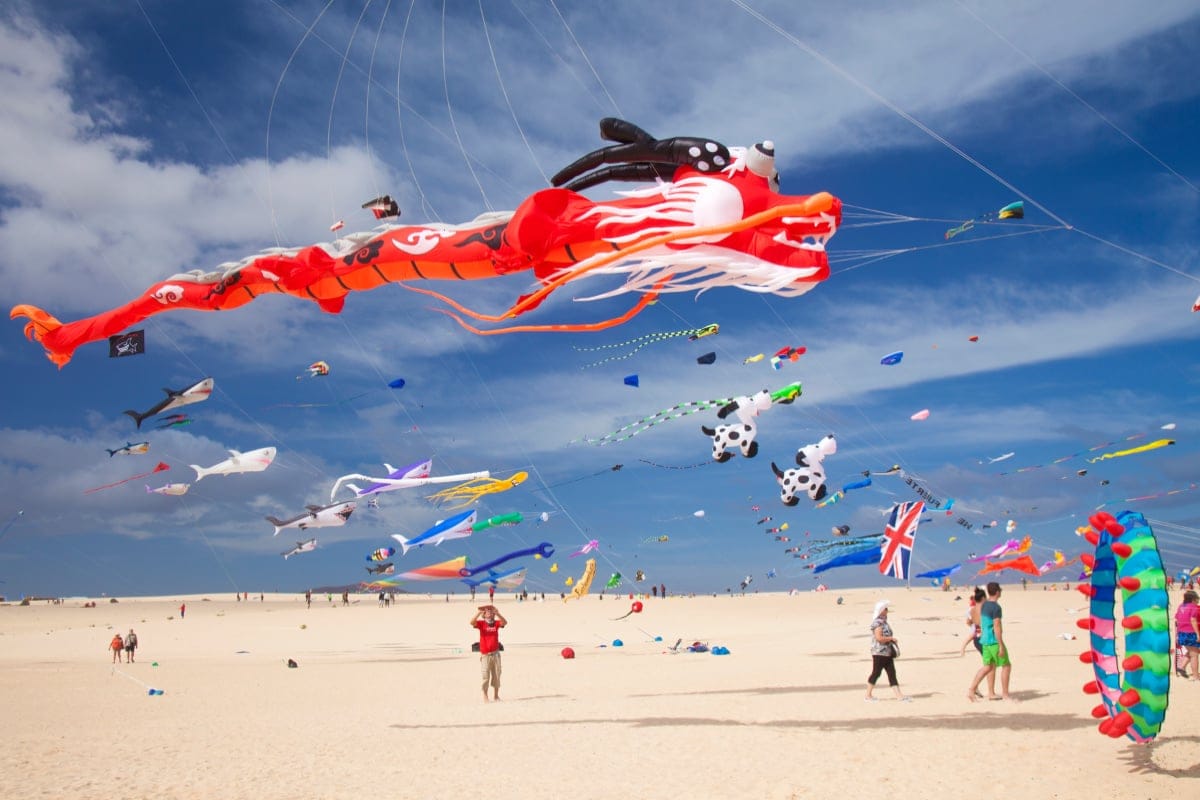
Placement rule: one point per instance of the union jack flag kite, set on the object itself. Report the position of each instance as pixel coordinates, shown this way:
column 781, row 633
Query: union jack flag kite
column 898, row 538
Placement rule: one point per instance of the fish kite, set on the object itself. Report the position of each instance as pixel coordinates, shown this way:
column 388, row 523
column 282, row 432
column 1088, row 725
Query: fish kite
column 584, row 584
column 130, row 449
column 707, row 358
column 173, row 421
column 754, row 359
column 920, row 415
column 383, row 569
column 892, row 359
column 459, row 526
column 509, row 579
column 331, row 516
column 252, row 461
column 172, row 489
column 464, row 494
column 382, row 554
column 196, row 393
column 301, row 547
column 159, row 467
column 711, row 216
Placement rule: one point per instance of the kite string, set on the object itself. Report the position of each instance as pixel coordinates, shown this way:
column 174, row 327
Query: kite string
column 337, row 84
column 1073, row 94
column 862, row 85
column 367, row 100
column 450, row 112
column 507, row 101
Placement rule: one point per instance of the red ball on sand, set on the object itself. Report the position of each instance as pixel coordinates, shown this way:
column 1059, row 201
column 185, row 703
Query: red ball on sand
column 637, row 606
column 568, row 652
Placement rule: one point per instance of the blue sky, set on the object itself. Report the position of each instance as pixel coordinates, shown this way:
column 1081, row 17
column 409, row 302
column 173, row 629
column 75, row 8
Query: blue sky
column 138, row 140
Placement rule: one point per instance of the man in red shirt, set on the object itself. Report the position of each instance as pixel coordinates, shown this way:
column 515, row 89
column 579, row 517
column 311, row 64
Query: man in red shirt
column 488, row 621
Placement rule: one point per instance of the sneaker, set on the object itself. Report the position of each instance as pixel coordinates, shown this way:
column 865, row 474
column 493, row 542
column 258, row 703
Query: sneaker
column 871, row 699
column 1181, row 673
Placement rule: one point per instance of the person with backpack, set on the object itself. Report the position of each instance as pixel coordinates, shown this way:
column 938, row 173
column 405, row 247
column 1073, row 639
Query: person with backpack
column 131, row 644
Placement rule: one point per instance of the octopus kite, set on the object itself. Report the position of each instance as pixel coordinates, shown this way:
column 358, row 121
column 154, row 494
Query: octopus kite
column 464, row 494
column 714, row 217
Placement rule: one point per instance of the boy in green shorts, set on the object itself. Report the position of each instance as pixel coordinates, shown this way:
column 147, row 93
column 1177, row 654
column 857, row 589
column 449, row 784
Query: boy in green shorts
column 995, row 652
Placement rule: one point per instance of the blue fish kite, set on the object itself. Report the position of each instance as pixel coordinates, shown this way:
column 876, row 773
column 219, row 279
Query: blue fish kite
column 891, row 359
column 457, row 527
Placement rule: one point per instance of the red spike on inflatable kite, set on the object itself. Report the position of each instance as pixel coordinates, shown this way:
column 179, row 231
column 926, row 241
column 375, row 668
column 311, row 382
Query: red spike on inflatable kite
column 1130, row 584
column 1088, row 560
column 1086, row 589
column 1122, row 549
column 1091, row 687
column 1085, row 623
column 1130, row 697
column 1114, row 528
column 1099, row 712
column 1087, row 656
column 1131, row 663
column 1133, row 623
column 1092, row 537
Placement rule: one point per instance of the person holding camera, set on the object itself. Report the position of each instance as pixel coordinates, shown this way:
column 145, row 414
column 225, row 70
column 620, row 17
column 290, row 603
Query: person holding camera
column 488, row 621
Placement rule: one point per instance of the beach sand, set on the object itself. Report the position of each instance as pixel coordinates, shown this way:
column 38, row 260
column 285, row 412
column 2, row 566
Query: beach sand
column 387, row 701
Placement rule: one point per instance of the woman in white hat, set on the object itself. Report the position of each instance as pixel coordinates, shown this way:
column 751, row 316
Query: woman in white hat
column 884, row 649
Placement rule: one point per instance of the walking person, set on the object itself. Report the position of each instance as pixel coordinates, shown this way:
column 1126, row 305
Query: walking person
column 973, row 623
column 1187, row 635
column 116, row 645
column 884, row 649
column 995, row 650
column 131, row 644
column 488, row 621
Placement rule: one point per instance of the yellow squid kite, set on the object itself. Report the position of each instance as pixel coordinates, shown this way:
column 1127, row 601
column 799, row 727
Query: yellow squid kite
column 464, row 494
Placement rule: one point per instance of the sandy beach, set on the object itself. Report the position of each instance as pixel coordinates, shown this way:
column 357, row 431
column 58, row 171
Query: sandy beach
column 388, row 700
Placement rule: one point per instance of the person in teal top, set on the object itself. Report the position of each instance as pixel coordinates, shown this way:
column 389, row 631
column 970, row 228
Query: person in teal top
column 995, row 651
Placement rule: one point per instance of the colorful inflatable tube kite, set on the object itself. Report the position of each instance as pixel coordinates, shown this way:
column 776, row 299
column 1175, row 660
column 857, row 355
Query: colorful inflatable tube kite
column 1134, row 704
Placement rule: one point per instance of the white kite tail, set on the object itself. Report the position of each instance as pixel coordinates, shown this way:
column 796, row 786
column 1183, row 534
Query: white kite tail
column 200, row 471
column 404, row 545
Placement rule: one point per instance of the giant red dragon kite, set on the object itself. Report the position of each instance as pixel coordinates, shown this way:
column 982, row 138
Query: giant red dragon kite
column 713, row 217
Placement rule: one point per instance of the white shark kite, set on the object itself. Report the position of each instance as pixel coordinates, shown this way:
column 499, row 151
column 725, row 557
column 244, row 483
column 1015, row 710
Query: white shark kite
column 301, row 547
column 330, row 516
column 176, row 398
column 253, row 461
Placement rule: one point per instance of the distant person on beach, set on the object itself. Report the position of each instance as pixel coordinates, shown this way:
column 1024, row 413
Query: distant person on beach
column 182, row 610
column 308, row 598
column 488, row 621
column 995, row 651
column 116, row 645
column 130, row 645
column 492, row 593
column 884, row 649
column 973, row 623
column 1187, row 634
